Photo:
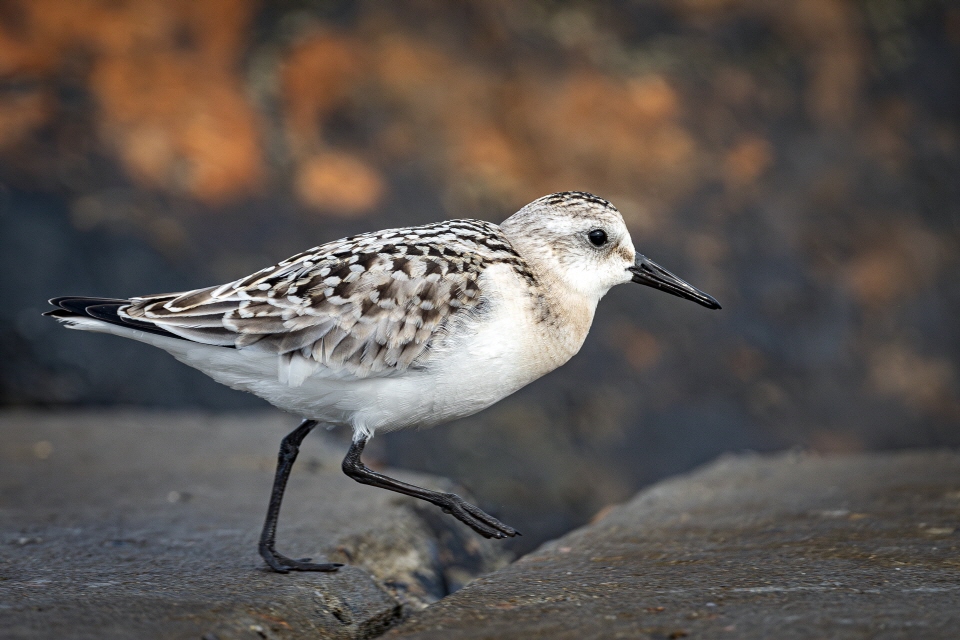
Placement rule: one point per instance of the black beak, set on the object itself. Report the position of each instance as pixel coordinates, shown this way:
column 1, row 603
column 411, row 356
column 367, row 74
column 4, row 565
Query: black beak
column 648, row 272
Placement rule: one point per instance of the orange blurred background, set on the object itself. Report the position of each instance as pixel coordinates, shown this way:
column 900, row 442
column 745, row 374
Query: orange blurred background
column 798, row 161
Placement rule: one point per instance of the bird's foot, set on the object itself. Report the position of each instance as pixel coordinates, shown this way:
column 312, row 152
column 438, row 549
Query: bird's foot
column 282, row 564
column 475, row 518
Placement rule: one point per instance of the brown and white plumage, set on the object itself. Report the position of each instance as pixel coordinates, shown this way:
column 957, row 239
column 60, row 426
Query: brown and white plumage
column 403, row 327
column 368, row 305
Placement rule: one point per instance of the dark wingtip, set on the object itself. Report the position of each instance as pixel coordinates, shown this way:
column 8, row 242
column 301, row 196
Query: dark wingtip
column 59, row 311
column 59, row 300
column 103, row 309
column 79, row 304
column 107, row 312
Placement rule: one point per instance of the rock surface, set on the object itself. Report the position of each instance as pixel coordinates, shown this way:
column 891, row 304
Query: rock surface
column 786, row 546
column 139, row 525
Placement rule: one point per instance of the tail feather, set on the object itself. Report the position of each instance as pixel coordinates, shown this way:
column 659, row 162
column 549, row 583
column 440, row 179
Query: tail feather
column 78, row 304
column 103, row 309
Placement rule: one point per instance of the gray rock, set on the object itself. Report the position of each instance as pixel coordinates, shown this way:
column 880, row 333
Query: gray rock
column 139, row 525
column 785, row 546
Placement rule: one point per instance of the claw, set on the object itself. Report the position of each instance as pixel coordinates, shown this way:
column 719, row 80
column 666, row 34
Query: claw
column 475, row 518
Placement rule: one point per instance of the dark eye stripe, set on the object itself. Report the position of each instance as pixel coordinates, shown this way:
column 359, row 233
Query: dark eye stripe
column 598, row 237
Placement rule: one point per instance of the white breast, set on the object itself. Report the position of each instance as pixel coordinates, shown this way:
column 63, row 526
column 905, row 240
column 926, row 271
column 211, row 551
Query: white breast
column 478, row 363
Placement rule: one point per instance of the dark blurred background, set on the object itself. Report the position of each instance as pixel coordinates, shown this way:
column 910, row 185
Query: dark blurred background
column 800, row 161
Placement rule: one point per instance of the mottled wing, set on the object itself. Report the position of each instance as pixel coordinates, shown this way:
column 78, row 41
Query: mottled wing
column 368, row 305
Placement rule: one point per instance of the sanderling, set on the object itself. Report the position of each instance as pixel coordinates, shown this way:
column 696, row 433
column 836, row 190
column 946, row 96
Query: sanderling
column 400, row 328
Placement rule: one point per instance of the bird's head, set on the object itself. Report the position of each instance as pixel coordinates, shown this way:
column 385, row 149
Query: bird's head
column 581, row 239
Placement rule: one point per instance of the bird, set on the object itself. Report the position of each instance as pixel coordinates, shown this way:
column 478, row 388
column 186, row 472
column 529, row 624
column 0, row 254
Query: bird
column 405, row 327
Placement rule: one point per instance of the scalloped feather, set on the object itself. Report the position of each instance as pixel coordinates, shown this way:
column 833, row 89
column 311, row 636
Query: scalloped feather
column 368, row 305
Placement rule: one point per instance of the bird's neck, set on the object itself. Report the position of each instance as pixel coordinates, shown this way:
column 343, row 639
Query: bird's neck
column 560, row 314
column 563, row 317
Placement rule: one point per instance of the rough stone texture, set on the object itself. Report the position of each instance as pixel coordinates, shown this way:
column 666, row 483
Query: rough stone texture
column 140, row 525
column 786, row 546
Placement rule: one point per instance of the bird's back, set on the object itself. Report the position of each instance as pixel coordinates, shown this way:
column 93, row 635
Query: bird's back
column 367, row 305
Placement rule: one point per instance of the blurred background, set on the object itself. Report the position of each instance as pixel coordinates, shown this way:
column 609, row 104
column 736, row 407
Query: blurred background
column 800, row 161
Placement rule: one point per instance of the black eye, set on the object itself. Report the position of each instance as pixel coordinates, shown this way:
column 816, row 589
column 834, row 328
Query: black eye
column 598, row 237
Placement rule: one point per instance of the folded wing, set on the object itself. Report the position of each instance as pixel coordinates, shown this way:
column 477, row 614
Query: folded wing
column 363, row 306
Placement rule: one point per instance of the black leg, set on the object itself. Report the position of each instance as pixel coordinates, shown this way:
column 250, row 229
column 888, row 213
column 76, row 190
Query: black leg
column 289, row 448
column 484, row 524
